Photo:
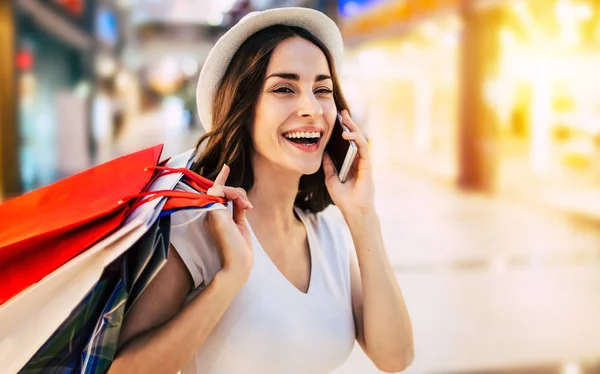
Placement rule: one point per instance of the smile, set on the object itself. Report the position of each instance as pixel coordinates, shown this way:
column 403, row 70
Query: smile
column 306, row 141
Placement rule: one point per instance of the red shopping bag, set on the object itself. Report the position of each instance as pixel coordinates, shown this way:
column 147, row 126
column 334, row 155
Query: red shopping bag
column 45, row 228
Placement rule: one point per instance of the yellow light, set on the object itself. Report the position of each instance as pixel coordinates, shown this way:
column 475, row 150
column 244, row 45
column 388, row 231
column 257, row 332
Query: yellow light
column 507, row 38
column 570, row 35
column 584, row 11
column 567, row 11
column 450, row 39
column 430, row 29
column 563, row 11
column 540, row 117
column 520, row 7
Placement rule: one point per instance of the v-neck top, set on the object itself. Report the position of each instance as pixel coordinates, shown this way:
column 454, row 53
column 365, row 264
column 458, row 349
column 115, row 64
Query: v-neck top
column 271, row 327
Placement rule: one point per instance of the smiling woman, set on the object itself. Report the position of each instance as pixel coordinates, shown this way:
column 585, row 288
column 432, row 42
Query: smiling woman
column 301, row 63
column 282, row 281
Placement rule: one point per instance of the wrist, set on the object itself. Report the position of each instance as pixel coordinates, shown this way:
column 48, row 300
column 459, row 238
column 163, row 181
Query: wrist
column 354, row 213
column 229, row 280
column 361, row 222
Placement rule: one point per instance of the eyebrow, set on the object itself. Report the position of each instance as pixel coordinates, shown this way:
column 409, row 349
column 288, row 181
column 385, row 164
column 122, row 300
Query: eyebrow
column 296, row 77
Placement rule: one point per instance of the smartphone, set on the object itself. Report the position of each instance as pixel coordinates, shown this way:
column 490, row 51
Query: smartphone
column 342, row 151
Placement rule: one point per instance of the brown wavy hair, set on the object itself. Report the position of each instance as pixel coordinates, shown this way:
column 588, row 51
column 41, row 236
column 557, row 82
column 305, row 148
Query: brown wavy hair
column 229, row 140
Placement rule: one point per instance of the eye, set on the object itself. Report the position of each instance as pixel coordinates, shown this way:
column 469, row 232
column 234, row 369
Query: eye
column 283, row 90
column 323, row 90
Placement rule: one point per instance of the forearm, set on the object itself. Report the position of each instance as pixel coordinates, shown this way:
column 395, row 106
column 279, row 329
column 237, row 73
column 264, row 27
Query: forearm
column 387, row 326
column 169, row 347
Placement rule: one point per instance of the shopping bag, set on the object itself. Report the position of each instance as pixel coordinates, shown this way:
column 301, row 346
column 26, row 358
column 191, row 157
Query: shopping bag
column 64, row 352
column 45, row 228
column 86, row 341
column 22, row 332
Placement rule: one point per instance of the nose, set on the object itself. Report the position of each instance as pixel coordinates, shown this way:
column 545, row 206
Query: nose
column 309, row 106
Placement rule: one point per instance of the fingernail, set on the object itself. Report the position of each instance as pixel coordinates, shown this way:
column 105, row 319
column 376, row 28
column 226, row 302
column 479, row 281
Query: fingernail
column 224, row 165
column 251, row 206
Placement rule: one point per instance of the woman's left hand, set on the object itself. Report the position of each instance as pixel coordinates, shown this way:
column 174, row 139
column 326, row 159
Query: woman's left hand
column 357, row 193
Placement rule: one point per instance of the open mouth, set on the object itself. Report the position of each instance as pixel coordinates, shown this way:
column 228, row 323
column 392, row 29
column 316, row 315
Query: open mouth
column 304, row 138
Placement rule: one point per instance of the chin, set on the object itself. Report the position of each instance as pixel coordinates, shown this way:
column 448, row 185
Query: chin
column 303, row 167
column 309, row 169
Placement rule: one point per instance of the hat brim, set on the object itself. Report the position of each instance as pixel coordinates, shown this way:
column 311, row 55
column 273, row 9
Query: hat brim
column 217, row 62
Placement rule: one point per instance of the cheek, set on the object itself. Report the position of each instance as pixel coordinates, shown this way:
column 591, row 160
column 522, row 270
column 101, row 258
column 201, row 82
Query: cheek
column 328, row 106
column 266, row 125
column 266, row 109
column 329, row 112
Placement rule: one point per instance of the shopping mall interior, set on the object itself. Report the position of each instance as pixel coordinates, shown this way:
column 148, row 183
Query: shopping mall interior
column 483, row 121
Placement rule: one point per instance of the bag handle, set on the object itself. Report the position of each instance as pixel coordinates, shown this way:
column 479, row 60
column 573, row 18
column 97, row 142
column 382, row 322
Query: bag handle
column 198, row 182
column 201, row 183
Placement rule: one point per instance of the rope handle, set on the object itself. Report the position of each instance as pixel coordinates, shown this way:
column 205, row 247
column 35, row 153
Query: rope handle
column 203, row 183
column 198, row 182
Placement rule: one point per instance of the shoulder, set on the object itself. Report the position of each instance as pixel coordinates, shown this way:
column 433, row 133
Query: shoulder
column 331, row 218
column 330, row 227
column 193, row 243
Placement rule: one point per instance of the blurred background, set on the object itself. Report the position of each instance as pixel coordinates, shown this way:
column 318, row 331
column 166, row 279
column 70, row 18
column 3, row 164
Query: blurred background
column 484, row 123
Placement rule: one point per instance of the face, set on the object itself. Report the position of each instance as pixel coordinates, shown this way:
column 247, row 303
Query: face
column 295, row 112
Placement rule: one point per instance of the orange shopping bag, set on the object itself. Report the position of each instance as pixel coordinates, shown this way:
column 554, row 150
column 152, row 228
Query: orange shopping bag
column 43, row 229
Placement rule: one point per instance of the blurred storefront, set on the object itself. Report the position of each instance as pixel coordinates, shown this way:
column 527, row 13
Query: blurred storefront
column 9, row 175
column 56, row 49
column 51, row 66
column 114, row 87
column 401, row 72
column 544, row 95
column 493, row 95
column 401, row 80
column 52, row 46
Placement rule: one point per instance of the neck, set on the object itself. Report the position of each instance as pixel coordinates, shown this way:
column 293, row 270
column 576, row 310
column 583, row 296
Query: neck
column 273, row 195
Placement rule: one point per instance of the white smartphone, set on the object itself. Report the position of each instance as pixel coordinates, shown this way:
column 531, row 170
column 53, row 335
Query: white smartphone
column 342, row 151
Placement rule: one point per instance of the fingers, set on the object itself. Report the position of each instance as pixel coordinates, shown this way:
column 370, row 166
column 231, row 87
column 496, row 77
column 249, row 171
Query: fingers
column 244, row 195
column 347, row 120
column 230, row 193
column 217, row 188
column 238, row 198
column 216, row 191
column 350, row 135
column 222, row 177
column 241, row 204
column 236, row 195
column 355, row 134
column 239, row 214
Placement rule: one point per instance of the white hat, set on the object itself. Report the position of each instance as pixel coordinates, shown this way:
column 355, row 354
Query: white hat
column 315, row 22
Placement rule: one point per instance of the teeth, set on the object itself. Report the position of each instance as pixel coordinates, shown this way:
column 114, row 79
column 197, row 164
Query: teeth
column 296, row 135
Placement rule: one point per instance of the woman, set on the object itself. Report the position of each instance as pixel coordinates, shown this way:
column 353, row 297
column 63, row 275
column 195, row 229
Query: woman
column 281, row 284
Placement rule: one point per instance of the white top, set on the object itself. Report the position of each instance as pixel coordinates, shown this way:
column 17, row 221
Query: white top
column 271, row 327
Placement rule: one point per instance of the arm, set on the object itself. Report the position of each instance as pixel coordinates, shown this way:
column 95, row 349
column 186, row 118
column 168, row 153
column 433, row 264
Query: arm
column 383, row 326
column 155, row 337
column 382, row 323
column 158, row 336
